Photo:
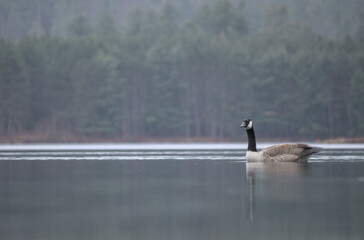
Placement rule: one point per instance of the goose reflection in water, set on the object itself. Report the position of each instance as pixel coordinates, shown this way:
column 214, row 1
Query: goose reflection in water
column 272, row 182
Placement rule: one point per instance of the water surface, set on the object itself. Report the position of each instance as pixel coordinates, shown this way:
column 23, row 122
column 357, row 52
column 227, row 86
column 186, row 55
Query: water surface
column 178, row 191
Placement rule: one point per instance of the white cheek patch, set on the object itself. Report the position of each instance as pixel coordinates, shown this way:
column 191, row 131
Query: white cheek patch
column 250, row 125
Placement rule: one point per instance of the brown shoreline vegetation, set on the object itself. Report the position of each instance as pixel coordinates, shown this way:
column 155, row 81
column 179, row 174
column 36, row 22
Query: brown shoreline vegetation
column 342, row 140
column 69, row 137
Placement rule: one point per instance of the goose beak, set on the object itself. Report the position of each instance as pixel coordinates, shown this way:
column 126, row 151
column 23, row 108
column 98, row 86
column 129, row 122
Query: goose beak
column 243, row 124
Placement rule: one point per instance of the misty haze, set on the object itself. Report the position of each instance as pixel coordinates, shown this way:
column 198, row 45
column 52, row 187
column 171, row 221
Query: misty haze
column 114, row 70
column 120, row 119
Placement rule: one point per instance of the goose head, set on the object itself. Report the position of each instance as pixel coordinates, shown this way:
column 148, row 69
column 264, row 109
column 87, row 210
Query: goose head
column 247, row 124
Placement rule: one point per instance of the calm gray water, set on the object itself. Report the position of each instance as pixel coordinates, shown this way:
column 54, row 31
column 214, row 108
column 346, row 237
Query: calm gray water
column 177, row 191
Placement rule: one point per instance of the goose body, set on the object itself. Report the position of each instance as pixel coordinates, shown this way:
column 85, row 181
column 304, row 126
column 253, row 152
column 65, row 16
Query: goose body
column 287, row 152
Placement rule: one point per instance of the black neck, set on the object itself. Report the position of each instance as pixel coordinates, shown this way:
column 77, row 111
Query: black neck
column 251, row 140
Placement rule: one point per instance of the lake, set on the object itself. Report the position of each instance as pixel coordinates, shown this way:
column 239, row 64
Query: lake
column 178, row 191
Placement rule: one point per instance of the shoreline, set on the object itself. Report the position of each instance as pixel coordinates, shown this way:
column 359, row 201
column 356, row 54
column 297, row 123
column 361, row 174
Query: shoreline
column 69, row 138
column 342, row 140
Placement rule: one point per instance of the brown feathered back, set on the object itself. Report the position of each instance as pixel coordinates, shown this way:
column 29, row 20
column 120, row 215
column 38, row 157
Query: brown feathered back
column 288, row 152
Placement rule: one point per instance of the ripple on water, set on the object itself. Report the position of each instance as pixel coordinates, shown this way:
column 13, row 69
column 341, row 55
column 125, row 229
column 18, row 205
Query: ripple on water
column 131, row 152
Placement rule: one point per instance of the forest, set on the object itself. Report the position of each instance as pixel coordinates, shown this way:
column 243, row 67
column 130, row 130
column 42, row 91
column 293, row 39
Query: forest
column 122, row 71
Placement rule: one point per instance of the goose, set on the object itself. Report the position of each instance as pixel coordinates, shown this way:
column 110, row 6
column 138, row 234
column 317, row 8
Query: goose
column 287, row 152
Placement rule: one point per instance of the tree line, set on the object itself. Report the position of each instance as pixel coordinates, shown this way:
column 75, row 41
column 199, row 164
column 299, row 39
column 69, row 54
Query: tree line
column 158, row 77
column 18, row 18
